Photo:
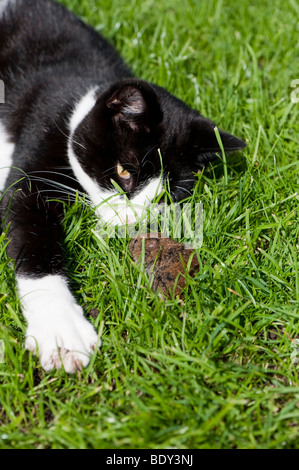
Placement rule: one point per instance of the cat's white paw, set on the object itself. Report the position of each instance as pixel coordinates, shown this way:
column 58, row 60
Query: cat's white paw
column 61, row 336
column 57, row 329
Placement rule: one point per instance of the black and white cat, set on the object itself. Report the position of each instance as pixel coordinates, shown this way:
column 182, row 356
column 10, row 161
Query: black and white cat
column 75, row 118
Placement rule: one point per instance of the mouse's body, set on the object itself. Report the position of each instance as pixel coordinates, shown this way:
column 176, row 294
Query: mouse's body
column 165, row 259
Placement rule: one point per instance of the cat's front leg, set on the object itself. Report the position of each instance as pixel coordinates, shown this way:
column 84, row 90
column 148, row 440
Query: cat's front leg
column 56, row 327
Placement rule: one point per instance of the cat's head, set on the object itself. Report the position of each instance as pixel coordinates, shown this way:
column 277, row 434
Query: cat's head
column 133, row 137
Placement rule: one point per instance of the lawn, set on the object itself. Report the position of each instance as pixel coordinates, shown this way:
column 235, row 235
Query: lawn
column 218, row 369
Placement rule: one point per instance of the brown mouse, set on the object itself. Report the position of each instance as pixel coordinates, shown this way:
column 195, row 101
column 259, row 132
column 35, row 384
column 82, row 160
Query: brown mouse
column 166, row 259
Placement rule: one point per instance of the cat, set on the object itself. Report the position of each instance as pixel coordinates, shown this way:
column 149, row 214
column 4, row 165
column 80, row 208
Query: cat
column 76, row 119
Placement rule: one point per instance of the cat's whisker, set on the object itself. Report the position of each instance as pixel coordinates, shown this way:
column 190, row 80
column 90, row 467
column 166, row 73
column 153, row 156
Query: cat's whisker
column 147, row 153
column 67, row 196
column 131, row 167
column 54, row 173
column 183, row 189
column 187, row 181
column 149, row 161
column 69, row 137
column 109, row 170
column 77, row 143
column 110, row 173
column 67, row 189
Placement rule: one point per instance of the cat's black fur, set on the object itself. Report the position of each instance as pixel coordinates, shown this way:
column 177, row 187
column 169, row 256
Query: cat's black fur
column 49, row 60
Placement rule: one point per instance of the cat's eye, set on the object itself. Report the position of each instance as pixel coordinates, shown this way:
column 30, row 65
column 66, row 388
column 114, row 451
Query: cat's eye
column 125, row 174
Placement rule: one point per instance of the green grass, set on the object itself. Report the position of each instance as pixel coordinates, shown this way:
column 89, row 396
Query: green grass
column 217, row 370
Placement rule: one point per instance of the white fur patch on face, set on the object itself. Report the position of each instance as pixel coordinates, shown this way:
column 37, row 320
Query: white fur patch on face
column 119, row 210
column 6, row 151
column 56, row 327
column 133, row 210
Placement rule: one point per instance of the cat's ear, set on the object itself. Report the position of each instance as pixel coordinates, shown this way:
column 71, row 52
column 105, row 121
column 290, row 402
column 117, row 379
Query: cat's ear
column 134, row 106
column 204, row 137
